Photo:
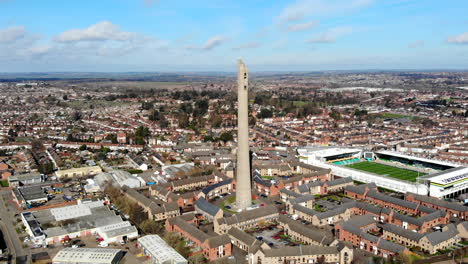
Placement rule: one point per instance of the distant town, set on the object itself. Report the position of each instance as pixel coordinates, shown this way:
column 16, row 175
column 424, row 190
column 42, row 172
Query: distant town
column 335, row 167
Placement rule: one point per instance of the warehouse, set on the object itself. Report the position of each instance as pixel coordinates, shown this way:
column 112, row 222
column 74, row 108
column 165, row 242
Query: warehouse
column 159, row 251
column 88, row 256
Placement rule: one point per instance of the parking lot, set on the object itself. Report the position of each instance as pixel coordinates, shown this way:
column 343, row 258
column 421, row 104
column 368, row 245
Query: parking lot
column 274, row 237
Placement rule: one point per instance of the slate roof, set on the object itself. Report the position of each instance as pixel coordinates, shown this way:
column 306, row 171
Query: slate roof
column 249, row 215
column 219, row 240
column 261, row 181
column 386, row 198
column 300, row 250
column 441, row 203
column 415, row 236
column 438, row 237
column 361, row 220
column 340, row 181
column 216, row 185
column 207, row 207
column 390, row 246
column 191, row 229
column 192, row 180
column 290, row 193
column 242, row 236
column 304, row 210
column 356, row 189
column 318, row 235
column 302, row 199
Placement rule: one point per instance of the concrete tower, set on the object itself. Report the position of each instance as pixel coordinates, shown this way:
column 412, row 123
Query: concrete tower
column 243, row 188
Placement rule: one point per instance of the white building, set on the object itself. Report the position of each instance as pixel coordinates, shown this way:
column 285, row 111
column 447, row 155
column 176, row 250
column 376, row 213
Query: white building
column 159, row 251
column 84, row 219
column 88, row 256
column 118, row 178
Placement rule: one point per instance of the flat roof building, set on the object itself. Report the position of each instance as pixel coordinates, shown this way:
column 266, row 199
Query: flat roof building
column 88, row 256
column 159, row 251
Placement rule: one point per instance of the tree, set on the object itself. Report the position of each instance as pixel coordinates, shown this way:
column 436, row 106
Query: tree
column 259, row 99
column 208, row 138
column 112, row 191
column 112, row 138
column 265, row 113
column 65, row 97
column 83, row 147
column 70, row 137
column 226, row 136
column 335, row 115
column 46, row 167
column 154, row 115
column 404, row 258
column 138, row 214
column 146, row 105
column 12, row 133
column 151, row 227
column 252, row 121
column 182, row 249
column 201, row 107
column 142, row 131
column 172, row 239
column 183, row 120
column 197, row 259
column 216, row 121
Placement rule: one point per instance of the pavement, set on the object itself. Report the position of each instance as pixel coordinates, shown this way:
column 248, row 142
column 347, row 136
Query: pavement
column 14, row 243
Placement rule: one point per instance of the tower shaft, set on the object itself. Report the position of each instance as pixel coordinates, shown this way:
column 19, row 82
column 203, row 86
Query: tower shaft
column 244, row 185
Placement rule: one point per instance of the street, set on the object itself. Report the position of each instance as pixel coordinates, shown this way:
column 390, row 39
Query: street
column 11, row 237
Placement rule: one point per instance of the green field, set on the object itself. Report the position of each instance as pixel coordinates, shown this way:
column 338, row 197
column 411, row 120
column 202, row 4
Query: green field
column 394, row 172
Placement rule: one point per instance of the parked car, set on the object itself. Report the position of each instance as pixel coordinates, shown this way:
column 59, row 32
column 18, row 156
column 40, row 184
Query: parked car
column 103, row 244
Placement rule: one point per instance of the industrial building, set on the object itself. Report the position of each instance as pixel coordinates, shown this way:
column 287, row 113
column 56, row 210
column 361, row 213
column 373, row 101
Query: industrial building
column 159, row 252
column 84, row 219
column 88, row 256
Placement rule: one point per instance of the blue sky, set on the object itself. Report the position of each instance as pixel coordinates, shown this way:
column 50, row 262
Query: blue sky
column 209, row 35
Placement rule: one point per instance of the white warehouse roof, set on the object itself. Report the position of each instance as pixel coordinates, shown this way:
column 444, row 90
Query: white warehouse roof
column 160, row 250
column 87, row 255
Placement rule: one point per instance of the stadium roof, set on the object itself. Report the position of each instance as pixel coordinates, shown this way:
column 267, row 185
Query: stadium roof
column 448, row 177
column 404, row 156
column 326, row 151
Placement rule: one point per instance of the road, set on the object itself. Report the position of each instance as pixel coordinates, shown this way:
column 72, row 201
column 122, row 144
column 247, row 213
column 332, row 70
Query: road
column 11, row 237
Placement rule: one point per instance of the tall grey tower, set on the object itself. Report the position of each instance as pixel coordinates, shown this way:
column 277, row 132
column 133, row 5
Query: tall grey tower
column 243, row 188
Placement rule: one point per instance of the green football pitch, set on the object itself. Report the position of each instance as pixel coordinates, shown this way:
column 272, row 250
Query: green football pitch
column 389, row 171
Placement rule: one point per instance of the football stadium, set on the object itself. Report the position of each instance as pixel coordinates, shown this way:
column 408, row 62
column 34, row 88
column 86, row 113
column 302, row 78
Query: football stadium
column 391, row 170
column 382, row 169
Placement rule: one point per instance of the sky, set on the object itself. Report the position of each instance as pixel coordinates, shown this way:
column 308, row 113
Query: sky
column 210, row 35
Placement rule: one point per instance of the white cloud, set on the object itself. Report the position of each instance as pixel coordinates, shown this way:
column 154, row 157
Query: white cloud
column 214, row 42
column 250, row 45
column 301, row 9
column 459, row 39
column 101, row 31
column 12, row 34
column 303, row 26
column 331, row 35
column 416, row 44
column 39, row 50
